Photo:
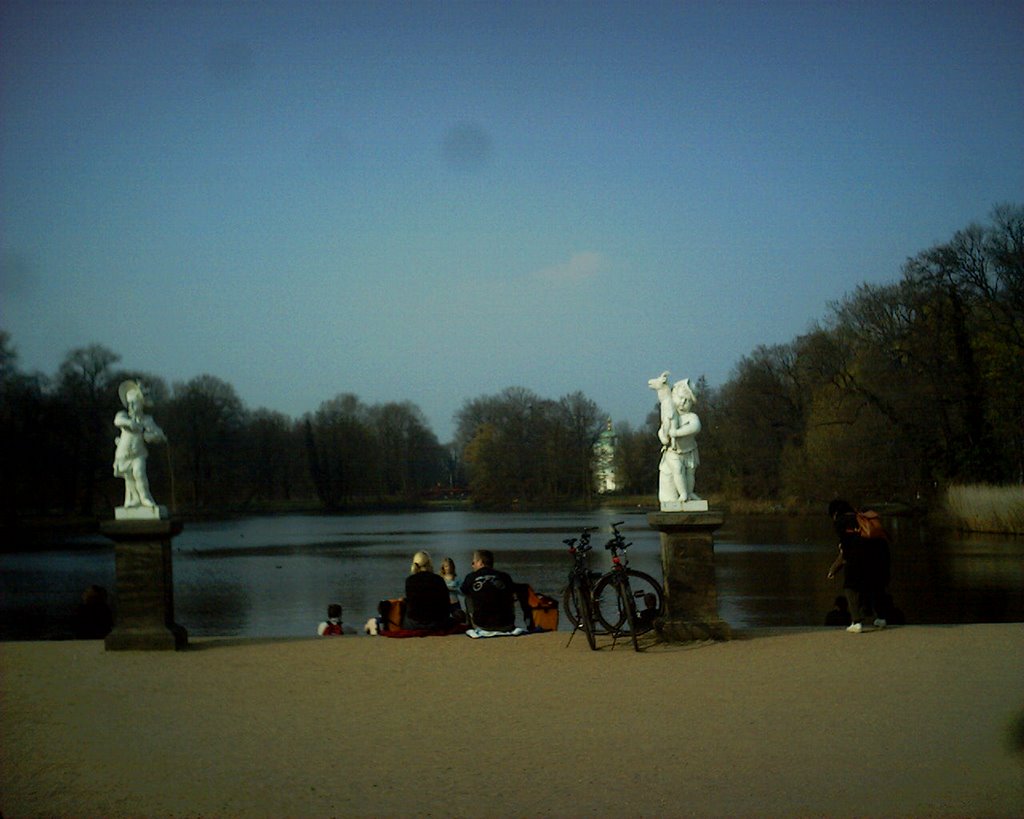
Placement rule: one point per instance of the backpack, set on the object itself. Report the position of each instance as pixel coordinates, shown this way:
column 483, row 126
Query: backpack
column 544, row 610
column 391, row 611
column 333, row 628
column 869, row 525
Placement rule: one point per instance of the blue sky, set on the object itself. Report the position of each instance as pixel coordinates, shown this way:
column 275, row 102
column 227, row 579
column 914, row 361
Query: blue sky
column 432, row 201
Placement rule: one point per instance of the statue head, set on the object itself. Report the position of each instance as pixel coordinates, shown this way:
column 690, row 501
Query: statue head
column 131, row 391
column 660, row 383
column 683, row 395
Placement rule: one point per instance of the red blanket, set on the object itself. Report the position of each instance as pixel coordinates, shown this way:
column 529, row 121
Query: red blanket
column 459, row 628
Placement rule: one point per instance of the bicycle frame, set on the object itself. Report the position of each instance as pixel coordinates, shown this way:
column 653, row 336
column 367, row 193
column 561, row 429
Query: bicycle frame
column 607, row 603
column 620, row 580
column 580, row 587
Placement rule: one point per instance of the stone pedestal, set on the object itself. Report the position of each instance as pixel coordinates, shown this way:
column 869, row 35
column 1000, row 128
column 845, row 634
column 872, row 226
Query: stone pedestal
column 140, row 513
column 145, row 586
column 688, row 564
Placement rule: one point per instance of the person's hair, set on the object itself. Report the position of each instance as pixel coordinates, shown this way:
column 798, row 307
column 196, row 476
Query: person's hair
column 334, row 610
column 421, row 562
column 448, row 566
column 485, row 556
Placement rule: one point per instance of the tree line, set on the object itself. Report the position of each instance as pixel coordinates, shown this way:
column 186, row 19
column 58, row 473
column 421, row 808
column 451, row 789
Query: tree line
column 900, row 390
column 904, row 389
column 515, row 449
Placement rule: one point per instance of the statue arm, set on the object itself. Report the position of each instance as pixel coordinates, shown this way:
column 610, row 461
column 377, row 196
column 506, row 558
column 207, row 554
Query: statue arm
column 124, row 421
column 152, row 433
column 688, row 424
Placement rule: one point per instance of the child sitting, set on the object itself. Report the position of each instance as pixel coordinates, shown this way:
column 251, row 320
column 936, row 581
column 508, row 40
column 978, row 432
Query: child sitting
column 334, row 626
column 452, row 581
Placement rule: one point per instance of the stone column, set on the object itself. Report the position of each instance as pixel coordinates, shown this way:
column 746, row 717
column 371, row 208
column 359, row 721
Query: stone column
column 688, row 564
column 145, row 586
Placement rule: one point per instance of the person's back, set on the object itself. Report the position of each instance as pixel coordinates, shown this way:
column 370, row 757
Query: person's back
column 333, row 626
column 491, row 594
column 426, row 597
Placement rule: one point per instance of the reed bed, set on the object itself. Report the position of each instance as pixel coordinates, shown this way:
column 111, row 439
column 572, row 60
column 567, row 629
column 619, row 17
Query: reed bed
column 985, row 508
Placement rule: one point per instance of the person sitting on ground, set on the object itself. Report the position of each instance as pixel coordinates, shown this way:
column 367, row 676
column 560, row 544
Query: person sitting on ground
column 491, row 594
column 647, row 616
column 840, row 614
column 333, row 625
column 93, row 619
column 427, row 605
column 453, row 581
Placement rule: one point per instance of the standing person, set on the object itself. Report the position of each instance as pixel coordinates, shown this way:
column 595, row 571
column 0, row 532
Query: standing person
column 426, row 597
column 491, row 595
column 878, row 579
column 852, row 561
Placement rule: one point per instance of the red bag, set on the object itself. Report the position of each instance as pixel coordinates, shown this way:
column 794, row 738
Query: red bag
column 869, row 524
column 544, row 610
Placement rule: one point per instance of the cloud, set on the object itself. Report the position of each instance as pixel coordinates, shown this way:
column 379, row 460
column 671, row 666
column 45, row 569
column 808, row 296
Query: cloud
column 580, row 267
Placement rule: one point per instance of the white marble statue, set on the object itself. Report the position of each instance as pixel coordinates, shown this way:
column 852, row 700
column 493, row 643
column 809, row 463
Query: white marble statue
column 136, row 430
column 679, row 456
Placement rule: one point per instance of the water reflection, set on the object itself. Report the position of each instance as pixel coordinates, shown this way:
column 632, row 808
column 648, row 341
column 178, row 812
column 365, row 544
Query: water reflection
column 274, row 576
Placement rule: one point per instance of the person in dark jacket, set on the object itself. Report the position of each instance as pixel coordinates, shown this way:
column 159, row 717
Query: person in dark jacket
column 853, row 561
column 491, row 594
column 426, row 597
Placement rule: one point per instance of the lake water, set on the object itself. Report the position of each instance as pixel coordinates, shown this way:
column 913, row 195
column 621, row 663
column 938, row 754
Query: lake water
column 274, row 576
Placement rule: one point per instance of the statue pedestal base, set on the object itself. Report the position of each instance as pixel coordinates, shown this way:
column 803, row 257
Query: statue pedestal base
column 684, row 506
column 145, row 585
column 688, row 564
column 141, row 513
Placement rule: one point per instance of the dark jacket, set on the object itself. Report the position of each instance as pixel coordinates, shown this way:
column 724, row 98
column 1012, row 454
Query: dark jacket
column 854, row 549
column 491, row 596
column 426, row 602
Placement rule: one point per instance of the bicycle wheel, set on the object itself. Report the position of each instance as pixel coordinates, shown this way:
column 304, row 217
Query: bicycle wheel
column 584, row 613
column 572, row 610
column 645, row 593
column 628, row 605
column 569, row 603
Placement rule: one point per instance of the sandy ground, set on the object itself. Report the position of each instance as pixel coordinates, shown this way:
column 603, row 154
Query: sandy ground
column 909, row 721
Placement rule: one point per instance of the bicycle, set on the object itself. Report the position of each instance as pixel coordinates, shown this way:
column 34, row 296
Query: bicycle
column 579, row 594
column 608, row 601
column 616, row 593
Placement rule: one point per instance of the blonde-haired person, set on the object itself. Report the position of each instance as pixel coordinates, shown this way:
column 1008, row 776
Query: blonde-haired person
column 452, row 580
column 426, row 597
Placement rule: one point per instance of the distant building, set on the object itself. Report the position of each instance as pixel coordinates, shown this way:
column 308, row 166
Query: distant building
column 604, row 460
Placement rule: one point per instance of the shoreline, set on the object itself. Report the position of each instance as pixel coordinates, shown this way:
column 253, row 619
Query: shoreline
column 910, row 720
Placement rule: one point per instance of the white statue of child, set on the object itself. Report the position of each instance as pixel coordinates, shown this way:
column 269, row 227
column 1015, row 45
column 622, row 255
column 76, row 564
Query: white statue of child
column 130, row 453
column 679, row 455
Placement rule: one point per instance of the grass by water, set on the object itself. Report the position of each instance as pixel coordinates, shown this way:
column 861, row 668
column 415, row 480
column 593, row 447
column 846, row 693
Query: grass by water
column 984, row 508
